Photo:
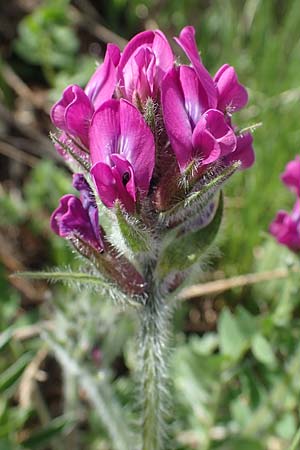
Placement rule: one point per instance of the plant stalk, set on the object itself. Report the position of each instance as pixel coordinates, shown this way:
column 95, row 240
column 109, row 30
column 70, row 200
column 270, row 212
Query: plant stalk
column 155, row 319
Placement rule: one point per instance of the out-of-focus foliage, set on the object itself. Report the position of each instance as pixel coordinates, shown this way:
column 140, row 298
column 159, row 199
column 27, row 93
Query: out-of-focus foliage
column 236, row 378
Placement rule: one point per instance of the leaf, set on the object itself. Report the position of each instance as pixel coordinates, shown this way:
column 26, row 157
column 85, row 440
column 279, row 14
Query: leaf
column 55, row 276
column 5, row 336
column 197, row 201
column 183, row 251
column 47, row 433
column 263, row 351
column 13, row 373
column 136, row 238
column 233, row 341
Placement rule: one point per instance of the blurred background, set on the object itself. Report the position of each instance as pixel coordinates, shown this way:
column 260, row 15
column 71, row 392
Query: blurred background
column 236, row 366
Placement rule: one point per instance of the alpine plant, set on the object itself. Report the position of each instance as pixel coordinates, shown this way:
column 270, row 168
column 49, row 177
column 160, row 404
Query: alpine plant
column 286, row 226
column 151, row 142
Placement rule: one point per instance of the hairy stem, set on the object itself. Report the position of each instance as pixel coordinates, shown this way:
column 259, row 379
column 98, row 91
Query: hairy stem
column 153, row 343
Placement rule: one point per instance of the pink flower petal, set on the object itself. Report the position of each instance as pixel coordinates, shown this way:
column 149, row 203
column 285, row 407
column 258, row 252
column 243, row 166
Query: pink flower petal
column 105, row 131
column 103, row 82
column 176, row 119
column 231, row 94
column 188, row 44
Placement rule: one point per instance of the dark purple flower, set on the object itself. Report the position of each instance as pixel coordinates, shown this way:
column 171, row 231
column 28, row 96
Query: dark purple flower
column 286, row 228
column 291, row 175
column 122, row 152
column 78, row 218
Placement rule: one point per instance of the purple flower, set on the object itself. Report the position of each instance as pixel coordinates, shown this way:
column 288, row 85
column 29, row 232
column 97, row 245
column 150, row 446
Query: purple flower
column 103, row 82
column 291, row 175
column 194, row 130
column 286, row 228
column 122, row 152
column 188, row 44
column 143, row 64
column 232, row 96
column 78, row 218
column 244, row 152
column 73, row 112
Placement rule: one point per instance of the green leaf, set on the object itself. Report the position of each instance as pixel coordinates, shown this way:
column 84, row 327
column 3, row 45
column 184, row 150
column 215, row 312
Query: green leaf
column 13, row 373
column 233, row 341
column 197, row 201
column 47, row 433
column 135, row 237
column 5, row 336
column 183, row 251
column 263, row 351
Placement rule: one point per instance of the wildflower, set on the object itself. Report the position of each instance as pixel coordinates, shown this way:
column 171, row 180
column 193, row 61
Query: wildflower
column 77, row 218
column 291, row 175
column 286, row 228
column 122, row 153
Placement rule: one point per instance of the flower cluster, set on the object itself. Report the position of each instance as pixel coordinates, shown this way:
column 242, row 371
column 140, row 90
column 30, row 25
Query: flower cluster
column 146, row 132
column 286, row 227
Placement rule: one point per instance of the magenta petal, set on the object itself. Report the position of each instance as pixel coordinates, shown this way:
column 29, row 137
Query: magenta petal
column 111, row 186
column 143, row 38
column 57, row 112
column 188, row 44
column 291, row 175
column 244, row 151
column 102, row 84
column 126, row 175
column 206, row 147
column 176, row 119
column 78, row 115
column 286, row 230
column 195, row 98
column 163, row 53
column 231, row 94
column 71, row 219
column 222, row 132
column 105, row 131
column 137, row 145
column 105, row 183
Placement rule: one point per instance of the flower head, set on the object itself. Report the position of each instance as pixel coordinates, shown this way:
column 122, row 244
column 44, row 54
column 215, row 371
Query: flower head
column 286, row 228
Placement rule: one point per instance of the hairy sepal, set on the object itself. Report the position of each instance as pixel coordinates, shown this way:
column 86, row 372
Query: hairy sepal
column 82, row 163
column 135, row 235
column 199, row 199
column 184, row 249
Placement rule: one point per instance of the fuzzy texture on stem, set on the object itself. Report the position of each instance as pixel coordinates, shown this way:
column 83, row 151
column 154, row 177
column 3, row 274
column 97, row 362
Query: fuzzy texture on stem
column 154, row 344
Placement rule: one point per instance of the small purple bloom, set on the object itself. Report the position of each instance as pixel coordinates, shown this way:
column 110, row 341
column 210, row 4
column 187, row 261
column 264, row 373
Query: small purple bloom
column 194, row 130
column 122, row 152
column 286, row 228
column 78, row 218
column 291, row 175
column 232, row 96
column 73, row 113
column 143, row 64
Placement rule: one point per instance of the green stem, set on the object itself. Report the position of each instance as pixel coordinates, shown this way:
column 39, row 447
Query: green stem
column 155, row 319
